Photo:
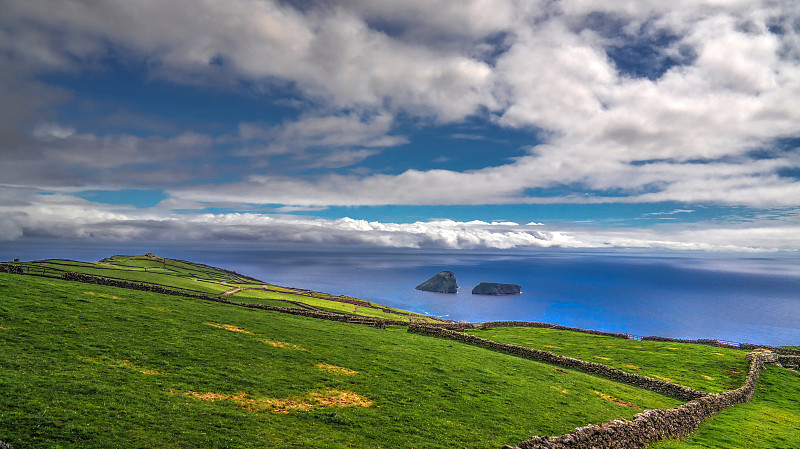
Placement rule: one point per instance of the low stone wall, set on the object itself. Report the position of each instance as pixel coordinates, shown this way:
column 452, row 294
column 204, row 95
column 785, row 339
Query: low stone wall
column 646, row 427
column 701, row 341
column 10, row 268
column 99, row 280
column 717, row 343
column 490, row 324
column 776, row 350
column 652, row 425
column 789, row 361
column 708, row 342
column 659, row 386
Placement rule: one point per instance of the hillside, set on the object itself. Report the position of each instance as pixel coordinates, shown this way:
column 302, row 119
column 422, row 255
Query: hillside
column 96, row 366
column 194, row 278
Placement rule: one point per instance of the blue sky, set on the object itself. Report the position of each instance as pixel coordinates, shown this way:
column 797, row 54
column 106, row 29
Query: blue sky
column 414, row 124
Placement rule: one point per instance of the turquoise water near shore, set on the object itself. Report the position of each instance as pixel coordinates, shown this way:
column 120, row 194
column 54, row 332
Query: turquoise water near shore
column 734, row 297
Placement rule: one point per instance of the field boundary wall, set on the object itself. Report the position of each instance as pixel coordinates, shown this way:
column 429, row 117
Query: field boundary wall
column 652, row 425
column 646, row 427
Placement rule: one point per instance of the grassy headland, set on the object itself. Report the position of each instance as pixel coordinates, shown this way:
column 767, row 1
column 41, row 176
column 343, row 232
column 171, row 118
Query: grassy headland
column 95, row 366
column 197, row 278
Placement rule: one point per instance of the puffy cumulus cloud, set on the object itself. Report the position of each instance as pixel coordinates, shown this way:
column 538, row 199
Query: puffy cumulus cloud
column 329, row 51
column 721, row 86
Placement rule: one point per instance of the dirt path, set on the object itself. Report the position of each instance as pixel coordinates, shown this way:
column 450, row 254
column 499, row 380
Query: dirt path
column 231, row 291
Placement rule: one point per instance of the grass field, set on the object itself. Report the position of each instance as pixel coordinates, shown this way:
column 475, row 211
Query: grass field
column 202, row 279
column 770, row 421
column 92, row 366
column 704, row 368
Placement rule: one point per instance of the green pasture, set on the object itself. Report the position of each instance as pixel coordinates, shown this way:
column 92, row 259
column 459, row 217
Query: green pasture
column 704, row 368
column 771, row 420
column 93, row 367
column 258, row 297
column 203, row 279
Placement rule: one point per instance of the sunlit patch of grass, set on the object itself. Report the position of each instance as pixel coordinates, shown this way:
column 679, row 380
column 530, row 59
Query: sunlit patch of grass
column 282, row 345
column 333, row 369
column 309, row 401
column 102, row 295
column 609, row 398
column 229, row 327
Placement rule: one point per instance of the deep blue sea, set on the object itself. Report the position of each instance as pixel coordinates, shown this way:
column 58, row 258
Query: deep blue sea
column 733, row 297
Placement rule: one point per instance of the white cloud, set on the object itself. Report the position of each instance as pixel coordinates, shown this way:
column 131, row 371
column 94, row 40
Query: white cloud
column 329, row 52
column 27, row 214
column 672, row 212
column 682, row 135
column 329, row 141
column 64, row 216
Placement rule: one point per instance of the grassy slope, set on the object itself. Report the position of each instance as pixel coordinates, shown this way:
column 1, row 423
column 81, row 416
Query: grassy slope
column 704, row 368
column 93, row 366
column 203, row 279
column 259, row 296
column 770, row 421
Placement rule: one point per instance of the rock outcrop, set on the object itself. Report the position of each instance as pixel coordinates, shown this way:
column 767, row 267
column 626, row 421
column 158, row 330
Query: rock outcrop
column 442, row 282
column 494, row 288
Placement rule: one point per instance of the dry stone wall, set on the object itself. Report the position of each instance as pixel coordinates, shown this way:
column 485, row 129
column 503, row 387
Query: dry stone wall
column 789, row 361
column 708, row 342
column 490, row 324
column 13, row 269
column 646, row 427
column 719, row 344
column 652, row 425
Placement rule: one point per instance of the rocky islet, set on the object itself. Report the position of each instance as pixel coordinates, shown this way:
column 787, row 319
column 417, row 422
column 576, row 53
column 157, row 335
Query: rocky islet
column 496, row 289
column 445, row 282
column 442, row 282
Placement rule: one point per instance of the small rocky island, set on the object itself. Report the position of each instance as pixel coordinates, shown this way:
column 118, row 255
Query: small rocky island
column 442, row 282
column 494, row 288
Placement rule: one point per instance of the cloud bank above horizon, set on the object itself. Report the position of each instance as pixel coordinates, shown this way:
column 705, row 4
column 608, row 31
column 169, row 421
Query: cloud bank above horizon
column 224, row 109
column 64, row 217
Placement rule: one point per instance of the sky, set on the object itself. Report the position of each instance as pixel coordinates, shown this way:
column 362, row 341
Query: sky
column 416, row 124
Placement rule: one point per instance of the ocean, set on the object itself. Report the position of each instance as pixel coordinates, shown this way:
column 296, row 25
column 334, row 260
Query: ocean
column 732, row 297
